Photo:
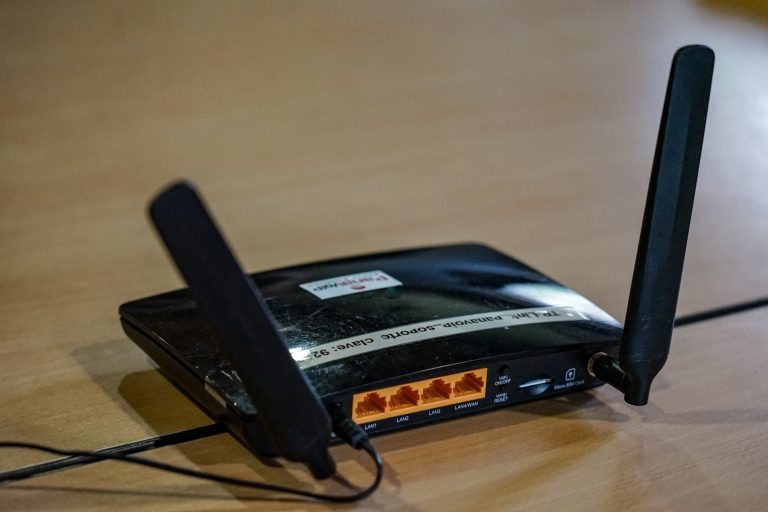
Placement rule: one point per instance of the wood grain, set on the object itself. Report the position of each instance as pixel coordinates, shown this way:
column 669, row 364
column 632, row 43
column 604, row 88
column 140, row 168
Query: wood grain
column 326, row 129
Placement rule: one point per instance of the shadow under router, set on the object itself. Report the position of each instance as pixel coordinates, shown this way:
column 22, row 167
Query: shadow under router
column 405, row 338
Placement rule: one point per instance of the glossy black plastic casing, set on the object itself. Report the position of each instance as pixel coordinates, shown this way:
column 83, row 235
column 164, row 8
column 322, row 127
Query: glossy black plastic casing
column 437, row 283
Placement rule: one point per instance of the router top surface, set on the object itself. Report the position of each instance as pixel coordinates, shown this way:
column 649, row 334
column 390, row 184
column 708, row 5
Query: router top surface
column 355, row 322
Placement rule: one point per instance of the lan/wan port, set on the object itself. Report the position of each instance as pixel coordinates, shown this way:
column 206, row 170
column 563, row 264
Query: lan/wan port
column 470, row 384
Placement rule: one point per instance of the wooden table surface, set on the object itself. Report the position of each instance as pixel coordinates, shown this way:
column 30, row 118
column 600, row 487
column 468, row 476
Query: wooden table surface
column 318, row 130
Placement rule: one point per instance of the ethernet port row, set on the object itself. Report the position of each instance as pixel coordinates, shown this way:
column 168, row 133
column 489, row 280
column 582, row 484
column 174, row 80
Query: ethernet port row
column 419, row 396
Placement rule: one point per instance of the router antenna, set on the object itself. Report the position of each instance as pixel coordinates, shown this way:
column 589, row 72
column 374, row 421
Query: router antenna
column 661, row 250
column 288, row 408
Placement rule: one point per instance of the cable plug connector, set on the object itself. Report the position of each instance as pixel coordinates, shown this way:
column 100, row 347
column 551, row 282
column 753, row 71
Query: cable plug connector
column 346, row 429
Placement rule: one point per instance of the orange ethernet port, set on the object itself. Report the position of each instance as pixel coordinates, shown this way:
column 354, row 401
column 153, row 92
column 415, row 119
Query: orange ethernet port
column 370, row 405
column 469, row 384
column 438, row 390
column 404, row 398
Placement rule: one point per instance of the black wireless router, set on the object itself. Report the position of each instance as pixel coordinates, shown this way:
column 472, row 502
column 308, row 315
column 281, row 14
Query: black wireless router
column 406, row 338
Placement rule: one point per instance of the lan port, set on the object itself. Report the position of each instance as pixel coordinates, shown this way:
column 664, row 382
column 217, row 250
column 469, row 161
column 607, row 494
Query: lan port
column 372, row 404
column 438, row 390
column 405, row 397
column 470, row 384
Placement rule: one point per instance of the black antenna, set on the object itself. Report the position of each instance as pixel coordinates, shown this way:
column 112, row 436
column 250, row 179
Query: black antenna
column 287, row 406
column 661, row 251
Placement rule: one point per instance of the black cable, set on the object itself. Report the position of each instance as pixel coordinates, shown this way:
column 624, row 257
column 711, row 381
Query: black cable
column 202, row 475
column 711, row 314
column 123, row 449
column 345, row 428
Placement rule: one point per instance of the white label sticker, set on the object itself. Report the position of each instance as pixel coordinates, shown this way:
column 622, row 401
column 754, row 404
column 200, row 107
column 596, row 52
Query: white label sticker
column 410, row 333
column 353, row 283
